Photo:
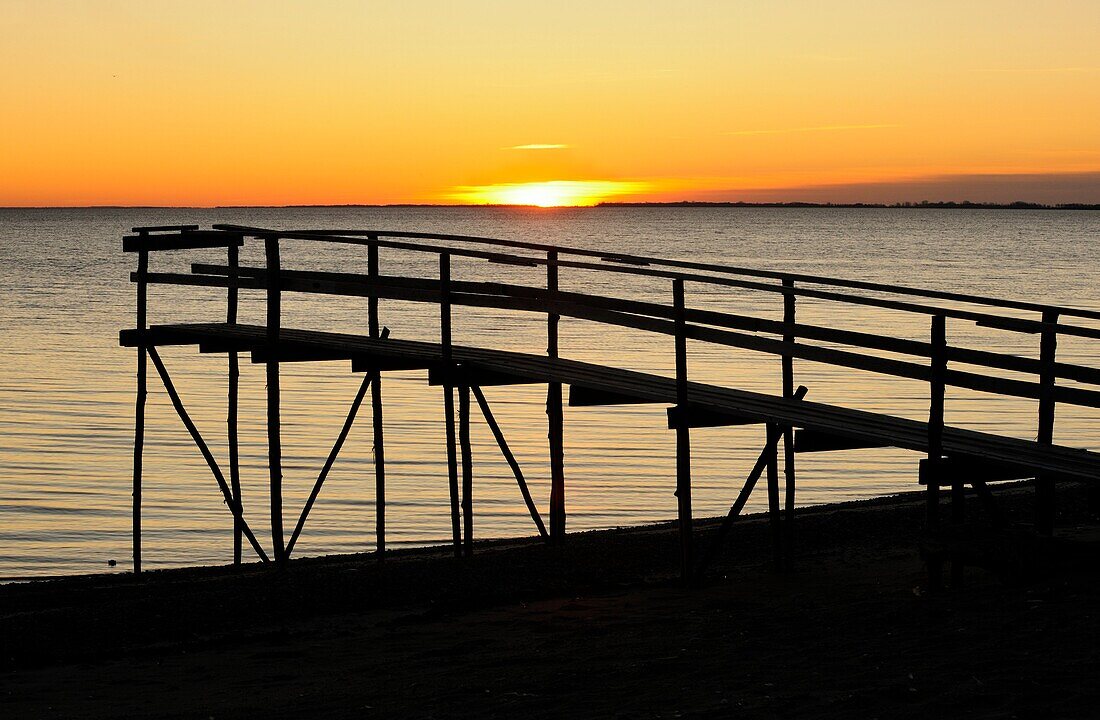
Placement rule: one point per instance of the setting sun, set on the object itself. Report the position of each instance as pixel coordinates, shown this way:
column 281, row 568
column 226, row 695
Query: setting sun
column 552, row 193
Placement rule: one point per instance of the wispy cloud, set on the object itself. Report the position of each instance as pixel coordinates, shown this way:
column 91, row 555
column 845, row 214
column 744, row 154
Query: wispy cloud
column 1070, row 70
column 538, row 146
column 816, row 128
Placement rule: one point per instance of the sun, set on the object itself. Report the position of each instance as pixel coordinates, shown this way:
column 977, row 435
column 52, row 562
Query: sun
column 550, row 193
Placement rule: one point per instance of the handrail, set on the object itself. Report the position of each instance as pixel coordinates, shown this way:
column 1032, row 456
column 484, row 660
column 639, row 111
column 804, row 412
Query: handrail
column 684, row 264
column 1000, row 322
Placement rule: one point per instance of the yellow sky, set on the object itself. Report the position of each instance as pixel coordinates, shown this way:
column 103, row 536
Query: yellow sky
column 265, row 102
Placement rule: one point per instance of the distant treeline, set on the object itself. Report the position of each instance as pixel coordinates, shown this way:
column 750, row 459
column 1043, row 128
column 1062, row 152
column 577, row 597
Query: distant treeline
column 964, row 205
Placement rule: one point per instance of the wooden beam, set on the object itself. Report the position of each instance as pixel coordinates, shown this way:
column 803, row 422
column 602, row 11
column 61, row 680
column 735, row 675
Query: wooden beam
column 377, row 332
column 788, row 430
column 139, row 409
column 581, row 396
column 555, row 419
column 811, row 440
column 274, row 438
column 185, row 240
column 968, row 470
column 683, row 438
column 484, row 377
column 467, row 470
column 233, row 391
column 448, row 398
column 694, row 416
column 1044, row 485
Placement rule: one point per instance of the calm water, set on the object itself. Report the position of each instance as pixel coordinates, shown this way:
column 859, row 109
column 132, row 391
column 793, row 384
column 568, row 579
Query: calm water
column 66, row 388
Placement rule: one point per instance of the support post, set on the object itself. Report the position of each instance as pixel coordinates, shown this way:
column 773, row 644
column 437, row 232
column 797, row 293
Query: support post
column 788, row 431
column 139, row 405
column 233, row 404
column 937, row 387
column 448, row 394
column 376, row 412
column 683, row 435
column 772, row 435
column 467, row 470
column 1044, row 486
column 274, row 440
column 554, row 417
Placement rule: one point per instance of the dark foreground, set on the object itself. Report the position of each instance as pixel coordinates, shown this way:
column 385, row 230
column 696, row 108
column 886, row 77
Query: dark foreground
column 598, row 628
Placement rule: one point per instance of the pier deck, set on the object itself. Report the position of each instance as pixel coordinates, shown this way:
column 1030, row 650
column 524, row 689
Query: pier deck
column 951, row 457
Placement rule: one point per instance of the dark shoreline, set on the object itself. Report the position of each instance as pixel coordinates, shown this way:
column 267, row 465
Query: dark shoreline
column 923, row 205
column 597, row 628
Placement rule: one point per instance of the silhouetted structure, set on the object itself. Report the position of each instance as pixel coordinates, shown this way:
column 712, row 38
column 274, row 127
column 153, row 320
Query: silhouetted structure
column 954, row 457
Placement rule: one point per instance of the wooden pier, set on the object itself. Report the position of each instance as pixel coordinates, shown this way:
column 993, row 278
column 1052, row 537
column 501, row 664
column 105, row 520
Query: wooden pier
column 951, row 458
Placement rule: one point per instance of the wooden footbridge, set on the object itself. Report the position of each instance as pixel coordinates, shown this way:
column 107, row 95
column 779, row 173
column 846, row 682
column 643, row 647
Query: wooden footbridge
column 953, row 458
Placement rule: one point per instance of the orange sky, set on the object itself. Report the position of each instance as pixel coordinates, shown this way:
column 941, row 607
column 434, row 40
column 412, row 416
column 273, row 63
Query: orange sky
column 233, row 102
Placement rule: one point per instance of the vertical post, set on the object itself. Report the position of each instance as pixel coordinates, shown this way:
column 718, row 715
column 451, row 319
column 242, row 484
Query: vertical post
column 683, row 434
column 274, row 440
column 467, row 469
column 771, row 445
column 376, row 411
column 139, row 405
column 1044, row 486
column 555, row 421
column 448, row 394
column 937, row 387
column 234, row 391
column 788, row 431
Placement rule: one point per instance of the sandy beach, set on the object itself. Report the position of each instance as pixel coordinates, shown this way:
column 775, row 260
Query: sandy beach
column 598, row 628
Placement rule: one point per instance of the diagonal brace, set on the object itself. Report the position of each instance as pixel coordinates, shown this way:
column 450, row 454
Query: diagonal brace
column 352, row 412
column 743, row 497
column 511, row 459
column 234, row 506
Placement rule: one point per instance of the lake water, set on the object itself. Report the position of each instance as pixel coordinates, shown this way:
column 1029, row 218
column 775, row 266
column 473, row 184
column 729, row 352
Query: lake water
column 67, row 389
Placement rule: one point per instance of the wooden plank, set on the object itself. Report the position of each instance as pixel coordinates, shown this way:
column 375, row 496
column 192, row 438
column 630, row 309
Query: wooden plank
column 582, row 396
column 898, row 432
column 693, row 416
column 163, row 228
column 358, row 284
column 485, row 377
column 969, row 470
column 373, row 236
column 376, row 332
column 807, row 440
column 186, row 240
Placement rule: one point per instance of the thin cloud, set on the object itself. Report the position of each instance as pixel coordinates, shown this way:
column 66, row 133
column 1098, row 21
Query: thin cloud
column 538, row 146
column 1072, row 70
column 816, row 128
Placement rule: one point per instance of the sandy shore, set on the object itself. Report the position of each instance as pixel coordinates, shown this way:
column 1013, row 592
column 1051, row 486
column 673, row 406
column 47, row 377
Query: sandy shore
column 598, row 628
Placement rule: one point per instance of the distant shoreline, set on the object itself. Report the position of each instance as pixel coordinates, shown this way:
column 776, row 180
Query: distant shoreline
column 923, row 205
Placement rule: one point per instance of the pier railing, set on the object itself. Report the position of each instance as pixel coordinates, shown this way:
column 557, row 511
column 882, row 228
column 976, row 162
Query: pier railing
column 930, row 361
